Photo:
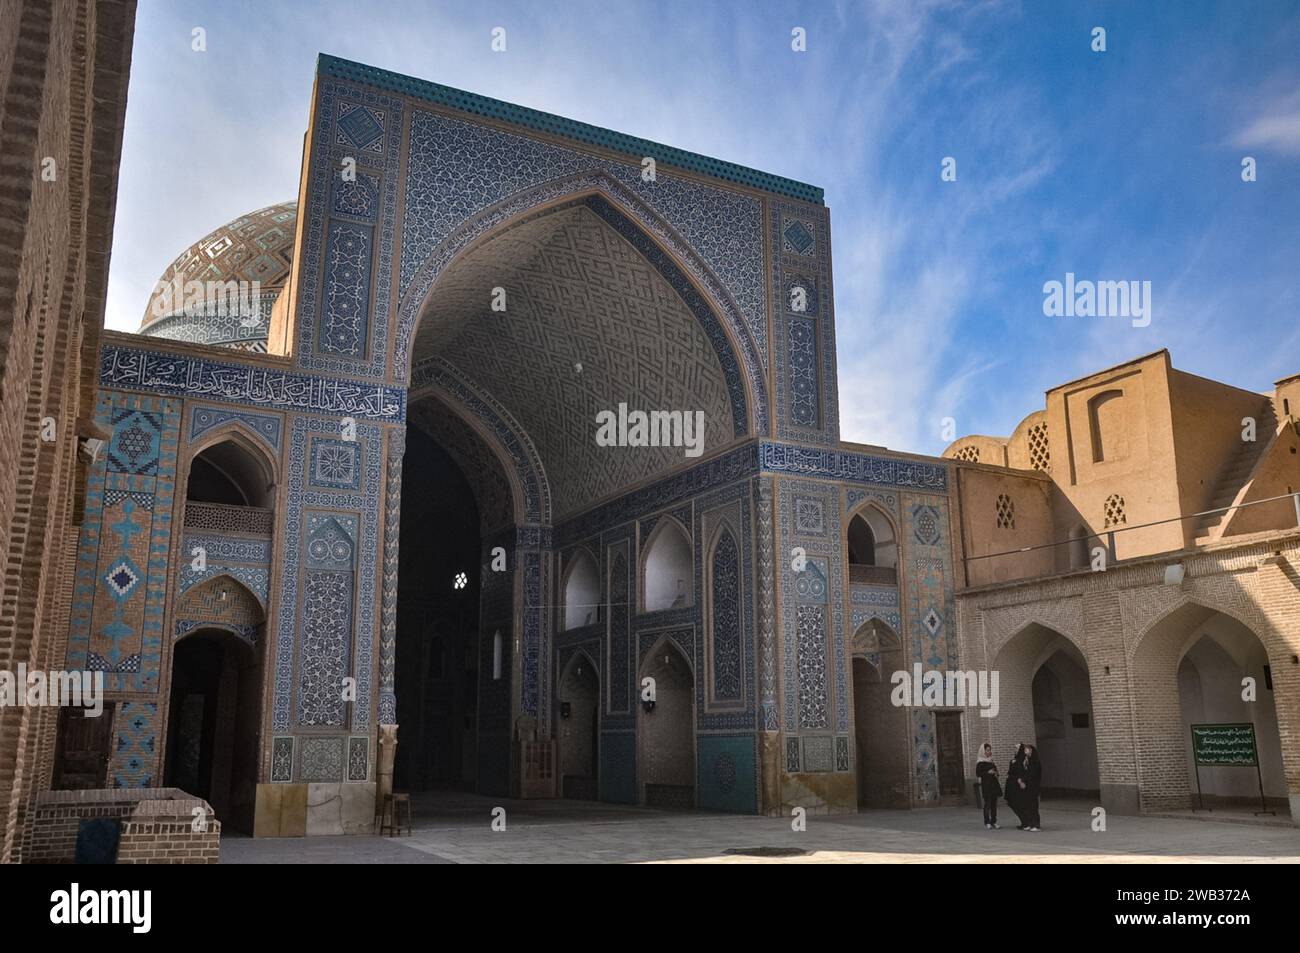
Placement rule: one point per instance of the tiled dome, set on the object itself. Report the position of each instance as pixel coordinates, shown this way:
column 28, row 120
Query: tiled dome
column 255, row 252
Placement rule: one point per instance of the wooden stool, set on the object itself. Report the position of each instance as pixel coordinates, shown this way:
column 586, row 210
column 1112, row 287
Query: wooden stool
column 395, row 814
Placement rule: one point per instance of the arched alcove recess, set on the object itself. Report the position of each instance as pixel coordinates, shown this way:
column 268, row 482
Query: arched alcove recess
column 1018, row 661
column 1107, row 427
column 667, row 567
column 231, row 468
column 655, row 239
column 871, row 547
column 218, row 678
column 579, row 729
column 666, row 732
column 446, row 405
column 1190, row 663
column 881, row 728
column 581, row 588
column 1061, row 697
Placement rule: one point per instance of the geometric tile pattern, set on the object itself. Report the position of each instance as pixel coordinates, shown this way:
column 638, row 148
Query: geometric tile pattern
column 930, row 599
column 925, row 525
column 325, row 651
column 814, row 673
column 282, row 759
column 804, row 390
column 346, row 298
column 446, row 185
column 797, row 237
column 620, row 672
column 356, row 198
column 120, row 582
column 811, row 651
column 358, row 758
column 577, row 292
column 926, row 753
column 670, row 257
column 841, row 753
column 360, row 127
column 809, row 515
column 335, row 333
column 203, row 419
column 803, row 349
column 817, row 754
column 725, row 623
column 221, row 602
column 257, row 247
column 338, row 540
column 135, row 754
column 335, row 464
column 320, row 759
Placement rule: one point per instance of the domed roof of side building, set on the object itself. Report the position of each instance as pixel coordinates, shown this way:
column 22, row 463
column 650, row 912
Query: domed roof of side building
column 221, row 289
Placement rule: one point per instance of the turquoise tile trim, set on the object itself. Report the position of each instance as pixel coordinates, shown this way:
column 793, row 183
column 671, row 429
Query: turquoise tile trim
column 337, row 68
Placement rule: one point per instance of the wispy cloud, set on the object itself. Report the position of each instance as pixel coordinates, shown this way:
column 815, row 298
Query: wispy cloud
column 1275, row 127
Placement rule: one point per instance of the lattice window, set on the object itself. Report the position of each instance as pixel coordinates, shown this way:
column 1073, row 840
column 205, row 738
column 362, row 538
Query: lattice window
column 1115, row 510
column 970, row 453
column 1006, row 512
column 221, row 516
column 1040, row 451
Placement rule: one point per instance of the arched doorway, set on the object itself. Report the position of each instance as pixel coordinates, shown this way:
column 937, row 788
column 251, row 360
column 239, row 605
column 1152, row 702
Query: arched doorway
column 1045, row 699
column 579, row 729
column 436, row 674
column 666, row 731
column 1202, row 657
column 1063, row 725
column 542, row 322
column 214, row 722
column 880, row 727
column 218, row 661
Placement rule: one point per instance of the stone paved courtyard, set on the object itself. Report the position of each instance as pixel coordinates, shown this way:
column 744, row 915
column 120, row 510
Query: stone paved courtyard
column 455, row 828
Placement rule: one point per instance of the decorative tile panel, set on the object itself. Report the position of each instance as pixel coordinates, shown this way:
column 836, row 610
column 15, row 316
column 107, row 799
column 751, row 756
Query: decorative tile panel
column 265, row 426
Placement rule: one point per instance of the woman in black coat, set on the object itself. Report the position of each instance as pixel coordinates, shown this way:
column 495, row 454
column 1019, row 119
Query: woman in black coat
column 990, row 790
column 1015, row 796
column 1032, row 788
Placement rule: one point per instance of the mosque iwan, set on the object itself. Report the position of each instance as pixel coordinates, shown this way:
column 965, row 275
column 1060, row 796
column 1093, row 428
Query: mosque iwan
column 502, row 465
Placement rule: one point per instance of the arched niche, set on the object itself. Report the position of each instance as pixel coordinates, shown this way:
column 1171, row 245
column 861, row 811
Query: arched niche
column 582, row 597
column 667, row 568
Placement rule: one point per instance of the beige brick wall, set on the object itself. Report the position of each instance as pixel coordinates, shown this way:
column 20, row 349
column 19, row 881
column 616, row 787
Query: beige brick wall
column 1132, row 630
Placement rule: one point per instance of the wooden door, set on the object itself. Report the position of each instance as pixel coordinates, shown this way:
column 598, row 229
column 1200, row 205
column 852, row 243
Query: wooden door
column 84, row 747
column 948, row 734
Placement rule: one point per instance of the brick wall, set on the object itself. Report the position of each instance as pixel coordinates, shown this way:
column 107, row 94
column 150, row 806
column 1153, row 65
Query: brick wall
column 63, row 74
column 1132, row 630
column 157, row 826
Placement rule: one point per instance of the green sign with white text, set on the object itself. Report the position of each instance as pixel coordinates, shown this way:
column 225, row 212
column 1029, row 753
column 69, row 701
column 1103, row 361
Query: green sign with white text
column 1225, row 745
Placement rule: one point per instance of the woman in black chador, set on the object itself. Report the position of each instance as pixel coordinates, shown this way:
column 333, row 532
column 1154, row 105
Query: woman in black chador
column 987, row 774
column 1015, row 796
column 1023, row 782
column 1033, row 786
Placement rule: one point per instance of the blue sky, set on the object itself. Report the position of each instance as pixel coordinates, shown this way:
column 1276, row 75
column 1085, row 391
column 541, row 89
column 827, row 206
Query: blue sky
column 1122, row 165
